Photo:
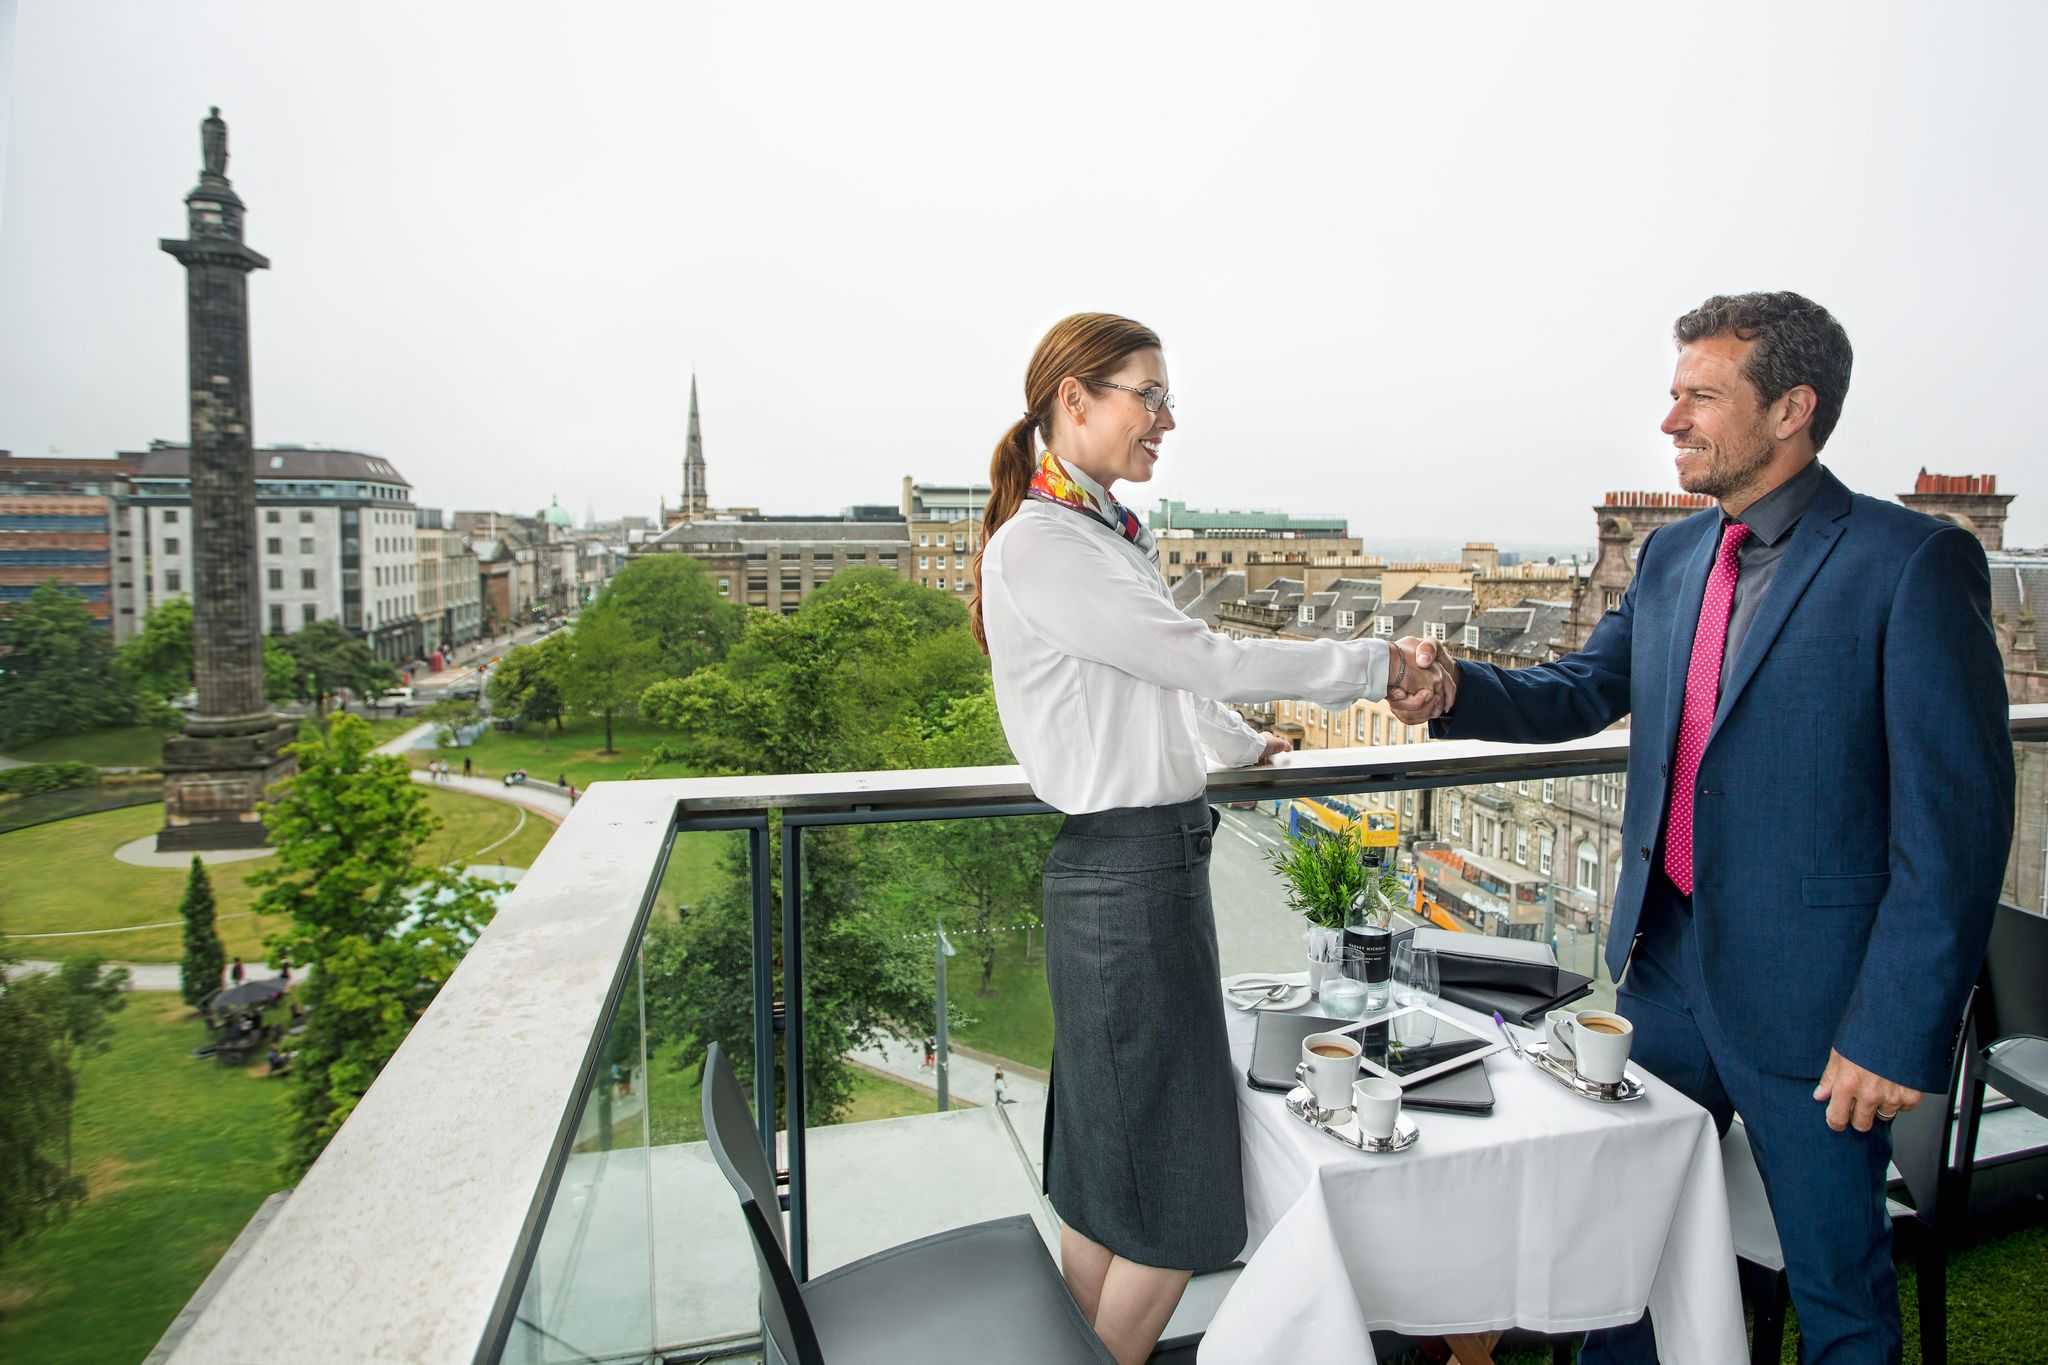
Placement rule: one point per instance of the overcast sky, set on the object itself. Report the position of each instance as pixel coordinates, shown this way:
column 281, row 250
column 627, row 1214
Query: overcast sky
column 1413, row 264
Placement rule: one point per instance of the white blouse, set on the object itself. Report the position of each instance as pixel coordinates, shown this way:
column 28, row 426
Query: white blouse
column 1109, row 694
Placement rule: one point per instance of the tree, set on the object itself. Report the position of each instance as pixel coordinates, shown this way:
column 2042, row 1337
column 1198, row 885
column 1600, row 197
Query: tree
column 605, row 667
column 59, row 676
column 453, row 716
column 991, row 875
column 525, row 684
column 332, row 658
column 49, row 1023
column 671, row 603
column 858, row 677
column 379, row 932
column 281, row 679
column 158, row 658
column 204, row 956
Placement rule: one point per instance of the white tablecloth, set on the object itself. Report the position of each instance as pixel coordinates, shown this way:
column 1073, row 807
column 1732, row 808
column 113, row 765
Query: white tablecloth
column 1552, row 1213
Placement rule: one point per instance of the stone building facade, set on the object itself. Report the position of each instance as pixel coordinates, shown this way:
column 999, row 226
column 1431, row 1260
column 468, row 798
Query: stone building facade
column 450, row 584
column 942, row 522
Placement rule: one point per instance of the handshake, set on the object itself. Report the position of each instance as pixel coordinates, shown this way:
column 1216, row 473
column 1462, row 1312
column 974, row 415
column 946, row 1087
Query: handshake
column 1422, row 681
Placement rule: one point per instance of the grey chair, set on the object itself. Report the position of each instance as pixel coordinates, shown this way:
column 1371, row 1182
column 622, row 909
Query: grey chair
column 2008, row 1040
column 989, row 1292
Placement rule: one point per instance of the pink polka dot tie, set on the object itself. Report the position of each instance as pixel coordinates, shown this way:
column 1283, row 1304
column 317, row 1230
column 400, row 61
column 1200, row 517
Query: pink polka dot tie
column 1702, row 695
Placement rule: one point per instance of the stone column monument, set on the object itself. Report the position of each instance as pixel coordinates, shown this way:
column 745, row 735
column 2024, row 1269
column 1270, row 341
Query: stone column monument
column 230, row 751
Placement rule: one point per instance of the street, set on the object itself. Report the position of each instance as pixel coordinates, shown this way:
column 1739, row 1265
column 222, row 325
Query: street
column 1255, row 931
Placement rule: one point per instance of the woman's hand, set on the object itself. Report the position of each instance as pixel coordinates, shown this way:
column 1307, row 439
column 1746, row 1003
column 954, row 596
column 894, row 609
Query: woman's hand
column 1275, row 746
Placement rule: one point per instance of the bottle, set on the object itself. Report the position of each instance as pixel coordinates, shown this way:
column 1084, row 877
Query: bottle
column 1364, row 931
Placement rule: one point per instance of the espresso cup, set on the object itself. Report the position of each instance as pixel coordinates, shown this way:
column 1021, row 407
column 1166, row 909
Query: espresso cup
column 1597, row 1043
column 1329, row 1064
column 1377, row 1102
column 1550, row 1025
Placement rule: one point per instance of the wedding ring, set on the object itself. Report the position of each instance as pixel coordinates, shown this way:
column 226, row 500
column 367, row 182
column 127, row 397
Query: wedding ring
column 1887, row 1118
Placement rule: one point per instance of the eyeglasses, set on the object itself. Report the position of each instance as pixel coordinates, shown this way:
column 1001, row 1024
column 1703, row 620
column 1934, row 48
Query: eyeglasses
column 1152, row 396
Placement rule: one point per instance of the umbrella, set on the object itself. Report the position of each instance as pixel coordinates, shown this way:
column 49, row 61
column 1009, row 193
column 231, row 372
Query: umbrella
column 250, row 993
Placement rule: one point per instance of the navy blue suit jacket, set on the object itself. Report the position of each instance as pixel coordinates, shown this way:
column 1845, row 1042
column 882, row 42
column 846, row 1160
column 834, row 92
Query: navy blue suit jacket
column 1855, row 803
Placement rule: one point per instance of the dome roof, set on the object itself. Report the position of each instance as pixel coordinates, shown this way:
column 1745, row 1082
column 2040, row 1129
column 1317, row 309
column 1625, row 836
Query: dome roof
column 556, row 515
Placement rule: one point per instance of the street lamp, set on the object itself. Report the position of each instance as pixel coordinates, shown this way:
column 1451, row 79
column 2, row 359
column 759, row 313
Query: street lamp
column 943, row 951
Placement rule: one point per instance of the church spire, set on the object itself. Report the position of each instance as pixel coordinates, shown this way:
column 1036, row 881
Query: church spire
column 696, row 502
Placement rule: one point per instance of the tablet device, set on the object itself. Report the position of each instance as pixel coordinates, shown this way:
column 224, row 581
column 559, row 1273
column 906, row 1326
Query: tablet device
column 1417, row 1043
column 1276, row 1047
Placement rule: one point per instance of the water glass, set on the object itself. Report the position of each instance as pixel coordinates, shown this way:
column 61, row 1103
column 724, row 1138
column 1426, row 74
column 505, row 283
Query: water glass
column 1404, row 971
column 1345, row 991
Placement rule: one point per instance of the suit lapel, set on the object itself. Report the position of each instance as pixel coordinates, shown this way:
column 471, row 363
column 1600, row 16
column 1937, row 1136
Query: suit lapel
column 1692, row 590
column 1812, row 539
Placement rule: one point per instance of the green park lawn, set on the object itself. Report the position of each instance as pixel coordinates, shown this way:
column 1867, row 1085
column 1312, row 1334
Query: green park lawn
column 1014, row 1022
column 177, row 1153
column 676, row 1113
column 576, row 752
column 62, row 877
column 122, row 746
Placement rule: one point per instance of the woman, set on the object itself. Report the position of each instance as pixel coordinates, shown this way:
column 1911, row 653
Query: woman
column 1112, row 700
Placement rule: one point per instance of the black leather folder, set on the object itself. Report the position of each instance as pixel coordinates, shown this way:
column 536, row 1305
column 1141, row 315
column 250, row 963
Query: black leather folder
column 1276, row 1047
column 1519, row 978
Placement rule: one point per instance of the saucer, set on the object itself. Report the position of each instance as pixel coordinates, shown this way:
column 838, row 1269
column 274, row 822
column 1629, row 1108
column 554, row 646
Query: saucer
column 1341, row 1125
column 1404, row 1135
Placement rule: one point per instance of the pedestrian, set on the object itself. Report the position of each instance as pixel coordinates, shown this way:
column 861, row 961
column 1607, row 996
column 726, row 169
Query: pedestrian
column 237, row 972
column 562, row 781
column 931, row 1053
column 465, row 765
column 284, row 969
column 572, row 795
column 1001, row 1098
column 1820, row 791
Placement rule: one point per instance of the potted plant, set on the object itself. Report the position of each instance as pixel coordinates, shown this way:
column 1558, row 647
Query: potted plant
column 1334, row 888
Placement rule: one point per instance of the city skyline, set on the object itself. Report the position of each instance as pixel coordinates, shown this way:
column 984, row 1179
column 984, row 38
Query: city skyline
column 1365, row 275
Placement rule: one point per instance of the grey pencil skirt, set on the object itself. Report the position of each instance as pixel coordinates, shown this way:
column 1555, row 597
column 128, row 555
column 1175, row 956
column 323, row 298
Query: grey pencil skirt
column 1141, row 1141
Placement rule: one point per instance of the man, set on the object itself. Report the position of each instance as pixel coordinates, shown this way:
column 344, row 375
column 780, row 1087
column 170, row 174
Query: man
column 1820, row 797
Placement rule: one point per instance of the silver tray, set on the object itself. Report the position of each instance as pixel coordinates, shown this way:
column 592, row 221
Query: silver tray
column 1621, row 1092
column 1302, row 1105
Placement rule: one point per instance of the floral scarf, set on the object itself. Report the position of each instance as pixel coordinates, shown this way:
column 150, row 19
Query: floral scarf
column 1054, row 482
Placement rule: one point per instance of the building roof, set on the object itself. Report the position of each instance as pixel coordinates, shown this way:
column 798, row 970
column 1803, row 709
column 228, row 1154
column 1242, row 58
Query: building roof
column 1176, row 515
column 277, row 462
column 2019, row 581
column 797, row 531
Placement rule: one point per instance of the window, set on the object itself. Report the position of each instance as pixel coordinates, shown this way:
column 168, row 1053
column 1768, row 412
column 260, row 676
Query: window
column 1612, row 598
column 1546, row 848
column 1471, row 637
column 925, row 540
column 1229, row 557
column 1375, row 727
column 305, row 517
column 1361, row 726
column 276, row 619
column 1522, row 846
column 924, row 561
column 170, row 545
column 170, row 516
column 173, row 581
column 1408, row 804
column 1457, row 817
column 275, row 579
column 1588, row 868
column 725, row 587
column 1549, row 791
column 1306, row 614
column 305, row 545
column 273, row 545
column 308, row 614
column 1433, row 631
column 1345, row 619
column 271, row 516
column 1173, row 556
column 309, row 579
column 1383, row 625
column 1201, row 556
column 959, row 541
column 1522, row 786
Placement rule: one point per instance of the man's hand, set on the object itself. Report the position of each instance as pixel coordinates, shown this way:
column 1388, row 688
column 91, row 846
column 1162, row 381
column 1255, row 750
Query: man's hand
column 1275, row 746
column 1855, row 1097
column 1422, row 681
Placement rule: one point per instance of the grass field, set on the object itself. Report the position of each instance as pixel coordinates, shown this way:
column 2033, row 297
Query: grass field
column 122, row 746
column 62, row 877
column 1015, row 1022
column 677, row 1115
column 575, row 753
column 178, row 1154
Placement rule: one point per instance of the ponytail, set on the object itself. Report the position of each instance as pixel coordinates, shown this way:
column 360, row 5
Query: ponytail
column 1009, row 475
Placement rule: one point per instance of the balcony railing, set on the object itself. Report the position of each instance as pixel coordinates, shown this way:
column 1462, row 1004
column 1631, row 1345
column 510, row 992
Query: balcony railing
column 413, row 1236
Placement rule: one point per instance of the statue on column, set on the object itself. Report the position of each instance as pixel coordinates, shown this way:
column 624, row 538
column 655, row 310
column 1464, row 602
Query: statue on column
column 213, row 142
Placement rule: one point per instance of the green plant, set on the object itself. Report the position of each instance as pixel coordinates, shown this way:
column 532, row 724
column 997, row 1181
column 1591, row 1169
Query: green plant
column 204, row 955
column 1327, row 875
column 33, row 779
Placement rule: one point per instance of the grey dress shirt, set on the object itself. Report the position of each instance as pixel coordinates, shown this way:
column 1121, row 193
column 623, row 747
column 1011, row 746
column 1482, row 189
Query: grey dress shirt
column 1770, row 520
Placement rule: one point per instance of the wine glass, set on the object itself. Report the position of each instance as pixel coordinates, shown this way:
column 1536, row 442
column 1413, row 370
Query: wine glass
column 1404, row 971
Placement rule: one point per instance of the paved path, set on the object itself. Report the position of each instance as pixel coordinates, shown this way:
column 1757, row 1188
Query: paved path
column 143, row 976
column 966, row 1077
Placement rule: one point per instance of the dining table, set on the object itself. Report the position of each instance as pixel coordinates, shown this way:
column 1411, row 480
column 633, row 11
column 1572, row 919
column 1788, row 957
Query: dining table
column 1553, row 1212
